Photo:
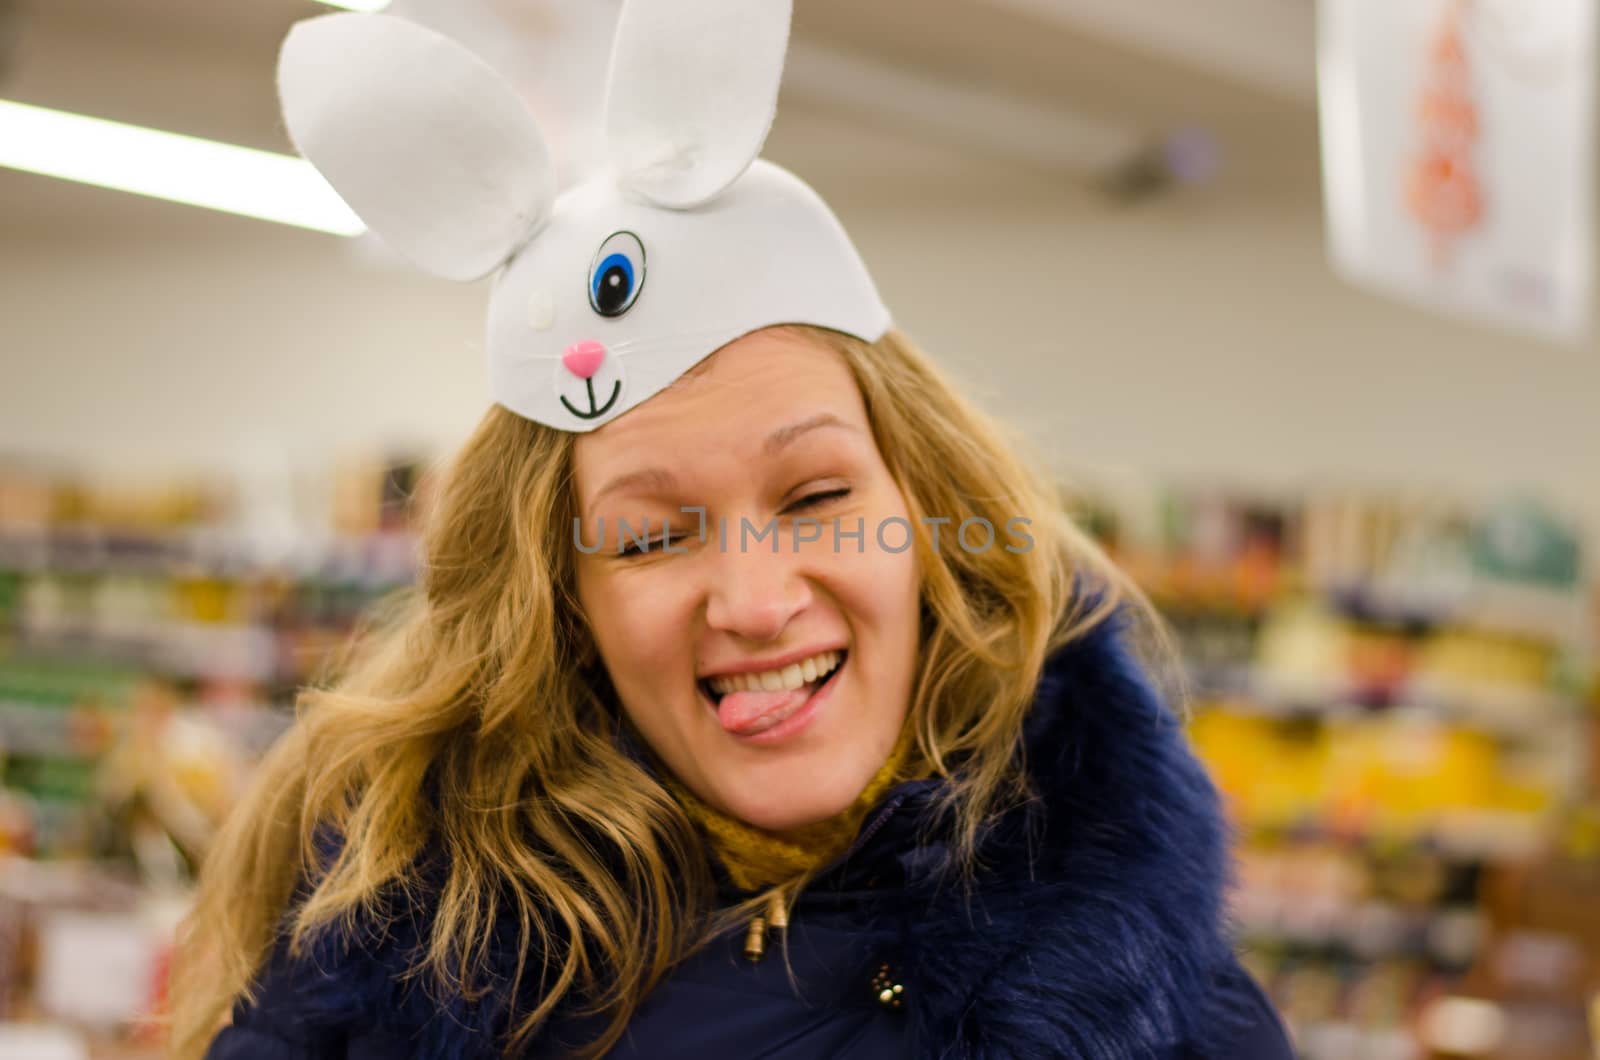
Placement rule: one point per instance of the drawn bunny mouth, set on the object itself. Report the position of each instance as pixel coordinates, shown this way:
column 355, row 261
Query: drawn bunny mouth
column 594, row 413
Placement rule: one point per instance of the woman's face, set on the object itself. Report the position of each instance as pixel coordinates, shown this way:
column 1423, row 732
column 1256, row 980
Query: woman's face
column 768, row 662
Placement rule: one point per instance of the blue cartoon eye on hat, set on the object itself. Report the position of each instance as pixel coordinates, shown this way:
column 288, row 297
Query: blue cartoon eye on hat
column 440, row 157
column 617, row 275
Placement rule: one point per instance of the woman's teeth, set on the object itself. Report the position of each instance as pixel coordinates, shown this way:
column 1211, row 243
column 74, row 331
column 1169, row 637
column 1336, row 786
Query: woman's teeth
column 790, row 677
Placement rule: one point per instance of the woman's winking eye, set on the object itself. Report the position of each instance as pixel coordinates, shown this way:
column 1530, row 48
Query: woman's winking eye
column 817, row 497
column 634, row 547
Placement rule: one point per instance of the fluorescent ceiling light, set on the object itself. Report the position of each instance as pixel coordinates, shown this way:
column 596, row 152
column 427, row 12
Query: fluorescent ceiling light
column 238, row 180
column 358, row 5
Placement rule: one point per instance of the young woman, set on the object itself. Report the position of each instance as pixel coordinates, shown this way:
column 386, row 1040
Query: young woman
column 760, row 704
column 543, row 794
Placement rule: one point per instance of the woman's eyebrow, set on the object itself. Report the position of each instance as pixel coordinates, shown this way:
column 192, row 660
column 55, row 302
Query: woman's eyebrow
column 784, row 435
column 656, row 478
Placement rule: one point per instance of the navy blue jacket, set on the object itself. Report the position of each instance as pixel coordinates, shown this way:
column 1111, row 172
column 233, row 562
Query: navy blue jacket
column 1096, row 929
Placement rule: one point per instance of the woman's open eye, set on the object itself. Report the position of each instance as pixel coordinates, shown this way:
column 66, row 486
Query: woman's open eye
column 617, row 275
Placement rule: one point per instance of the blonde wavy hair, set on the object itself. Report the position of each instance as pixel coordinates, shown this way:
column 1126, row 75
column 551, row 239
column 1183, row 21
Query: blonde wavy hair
column 474, row 722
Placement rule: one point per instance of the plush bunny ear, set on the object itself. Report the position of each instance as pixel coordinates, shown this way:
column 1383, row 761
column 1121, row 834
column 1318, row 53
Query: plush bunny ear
column 424, row 141
column 694, row 86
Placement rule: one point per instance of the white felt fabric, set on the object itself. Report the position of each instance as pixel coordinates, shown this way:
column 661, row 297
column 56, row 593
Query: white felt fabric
column 424, row 141
column 435, row 152
column 767, row 252
column 553, row 54
column 693, row 90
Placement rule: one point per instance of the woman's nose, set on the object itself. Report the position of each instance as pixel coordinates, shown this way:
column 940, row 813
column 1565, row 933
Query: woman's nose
column 756, row 594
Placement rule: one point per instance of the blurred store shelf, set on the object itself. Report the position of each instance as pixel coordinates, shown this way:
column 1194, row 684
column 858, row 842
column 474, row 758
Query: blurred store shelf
column 1399, row 702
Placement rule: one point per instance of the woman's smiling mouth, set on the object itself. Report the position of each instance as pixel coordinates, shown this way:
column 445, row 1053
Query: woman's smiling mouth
column 757, row 703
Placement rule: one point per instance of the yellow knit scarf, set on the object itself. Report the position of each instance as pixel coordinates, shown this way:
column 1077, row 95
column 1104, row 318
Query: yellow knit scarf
column 756, row 858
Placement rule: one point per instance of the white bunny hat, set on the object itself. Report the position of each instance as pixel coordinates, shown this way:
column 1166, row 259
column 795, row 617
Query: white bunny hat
column 607, row 294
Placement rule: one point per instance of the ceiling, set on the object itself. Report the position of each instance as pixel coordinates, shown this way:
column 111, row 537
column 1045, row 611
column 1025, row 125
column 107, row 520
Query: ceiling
column 1241, row 69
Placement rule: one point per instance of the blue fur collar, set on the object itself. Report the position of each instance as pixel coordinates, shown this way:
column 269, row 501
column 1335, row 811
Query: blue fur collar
column 1098, row 928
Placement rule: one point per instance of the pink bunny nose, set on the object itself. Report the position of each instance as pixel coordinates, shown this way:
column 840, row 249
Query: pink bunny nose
column 583, row 358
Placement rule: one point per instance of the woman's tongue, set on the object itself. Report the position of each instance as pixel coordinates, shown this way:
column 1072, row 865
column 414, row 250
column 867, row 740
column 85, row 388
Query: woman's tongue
column 744, row 713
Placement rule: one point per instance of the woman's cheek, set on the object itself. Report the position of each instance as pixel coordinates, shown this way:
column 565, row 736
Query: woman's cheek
column 653, row 622
column 627, row 613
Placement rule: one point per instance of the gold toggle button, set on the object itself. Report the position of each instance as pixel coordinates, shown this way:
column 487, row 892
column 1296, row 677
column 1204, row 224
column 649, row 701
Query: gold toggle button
column 888, row 992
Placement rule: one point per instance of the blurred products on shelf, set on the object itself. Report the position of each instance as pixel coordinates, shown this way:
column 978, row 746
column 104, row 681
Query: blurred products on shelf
column 1399, row 699
column 151, row 644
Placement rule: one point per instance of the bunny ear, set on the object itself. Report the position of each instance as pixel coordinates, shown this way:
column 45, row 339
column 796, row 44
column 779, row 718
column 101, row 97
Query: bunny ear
column 694, row 86
column 424, row 141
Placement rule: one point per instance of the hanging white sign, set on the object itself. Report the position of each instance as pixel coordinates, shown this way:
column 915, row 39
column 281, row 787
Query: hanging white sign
column 1458, row 154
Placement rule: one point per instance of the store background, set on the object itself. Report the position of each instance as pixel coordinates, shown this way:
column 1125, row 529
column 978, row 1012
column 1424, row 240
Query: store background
column 1167, row 342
